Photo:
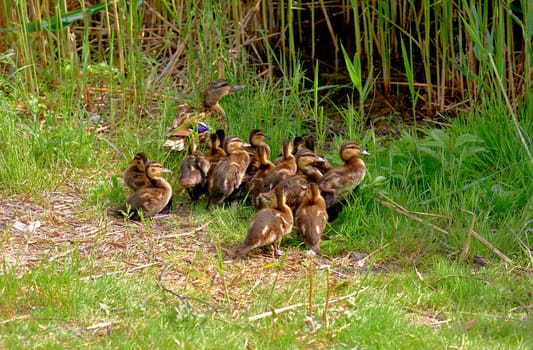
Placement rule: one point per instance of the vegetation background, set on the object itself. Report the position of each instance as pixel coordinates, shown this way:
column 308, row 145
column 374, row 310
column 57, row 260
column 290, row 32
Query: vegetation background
column 432, row 251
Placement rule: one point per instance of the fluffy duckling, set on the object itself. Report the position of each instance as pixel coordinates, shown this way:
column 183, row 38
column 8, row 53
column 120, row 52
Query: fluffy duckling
column 215, row 151
column 295, row 186
column 311, row 217
column 193, row 172
column 135, row 176
column 151, row 200
column 189, row 120
column 229, row 172
column 268, row 226
column 285, row 168
column 339, row 181
column 309, row 143
column 257, row 140
column 256, row 183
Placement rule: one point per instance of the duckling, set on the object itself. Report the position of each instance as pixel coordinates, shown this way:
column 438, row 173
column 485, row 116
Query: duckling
column 135, row 176
column 285, row 168
column 311, row 217
column 339, row 181
column 229, row 172
column 256, row 183
column 212, row 113
column 268, row 226
column 309, row 142
column 215, row 151
column 151, row 200
column 295, row 186
column 193, row 172
column 257, row 140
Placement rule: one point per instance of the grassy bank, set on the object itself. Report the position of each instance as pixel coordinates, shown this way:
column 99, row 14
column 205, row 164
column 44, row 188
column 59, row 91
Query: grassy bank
column 433, row 250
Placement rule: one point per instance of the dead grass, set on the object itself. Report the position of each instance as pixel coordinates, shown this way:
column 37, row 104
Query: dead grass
column 108, row 245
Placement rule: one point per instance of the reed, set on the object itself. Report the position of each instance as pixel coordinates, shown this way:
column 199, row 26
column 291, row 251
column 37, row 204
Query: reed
column 155, row 44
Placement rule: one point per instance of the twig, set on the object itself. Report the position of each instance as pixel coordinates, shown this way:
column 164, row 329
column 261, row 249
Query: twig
column 362, row 261
column 183, row 299
column 189, row 233
column 129, row 270
column 295, row 306
column 99, row 325
column 398, row 208
column 466, row 248
column 491, row 247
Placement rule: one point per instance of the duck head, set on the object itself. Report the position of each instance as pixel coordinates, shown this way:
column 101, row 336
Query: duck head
column 216, row 90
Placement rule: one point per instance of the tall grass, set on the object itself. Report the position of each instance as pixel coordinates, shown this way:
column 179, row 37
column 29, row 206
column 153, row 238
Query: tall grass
column 450, row 44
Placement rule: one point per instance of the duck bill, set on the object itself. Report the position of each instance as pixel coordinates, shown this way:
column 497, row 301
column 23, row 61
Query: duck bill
column 365, row 153
column 319, row 160
column 236, row 88
column 165, row 170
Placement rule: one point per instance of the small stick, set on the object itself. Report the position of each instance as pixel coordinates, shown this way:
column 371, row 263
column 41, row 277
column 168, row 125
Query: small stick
column 182, row 298
column 189, row 233
column 130, row 270
column 398, row 208
column 329, row 288
column 310, row 267
column 466, row 248
column 491, row 247
column 295, row 306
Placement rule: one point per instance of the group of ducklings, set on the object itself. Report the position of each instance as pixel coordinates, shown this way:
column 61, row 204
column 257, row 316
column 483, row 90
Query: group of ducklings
column 296, row 189
column 152, row 194
column 299, row 188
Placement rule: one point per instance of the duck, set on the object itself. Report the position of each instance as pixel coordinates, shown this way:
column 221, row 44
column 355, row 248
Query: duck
column 256, row 182
column 228, row 173
column 256, row 140
column 311, row 217
column 296, row 185
column 135, row 175
column 286, row 167
column 211, row 115
column 309, row 142
column 340, row 181
column 215, row 151
column 194, row 168
column 151, row 200
column 268, row 226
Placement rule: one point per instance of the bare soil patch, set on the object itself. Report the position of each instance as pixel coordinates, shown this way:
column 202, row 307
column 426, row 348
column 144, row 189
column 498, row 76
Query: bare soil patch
column 110, row 245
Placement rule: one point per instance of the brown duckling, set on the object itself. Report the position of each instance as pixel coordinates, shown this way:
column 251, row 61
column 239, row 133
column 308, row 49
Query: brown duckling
column 135, row 176
column 285, row 168
column 268, row 226
column 193, row 172
column 256, row 183
column 311, row 217
column 215, row 151
column 151, row 200
column 212, row 115
column 309, row 142
column 257, row 140
column 229, row 172
column 295, row 186
column 339, row 181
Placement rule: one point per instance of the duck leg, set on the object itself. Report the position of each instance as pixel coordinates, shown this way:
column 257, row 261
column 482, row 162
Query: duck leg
column 277, row 252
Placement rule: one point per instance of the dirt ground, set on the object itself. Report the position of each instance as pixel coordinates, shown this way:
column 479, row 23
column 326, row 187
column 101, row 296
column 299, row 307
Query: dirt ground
column 181, row 255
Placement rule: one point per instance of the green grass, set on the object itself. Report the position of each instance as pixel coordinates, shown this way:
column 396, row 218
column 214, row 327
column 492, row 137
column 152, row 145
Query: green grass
column 419, row 288
column 477, row 164
column 55, row 307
